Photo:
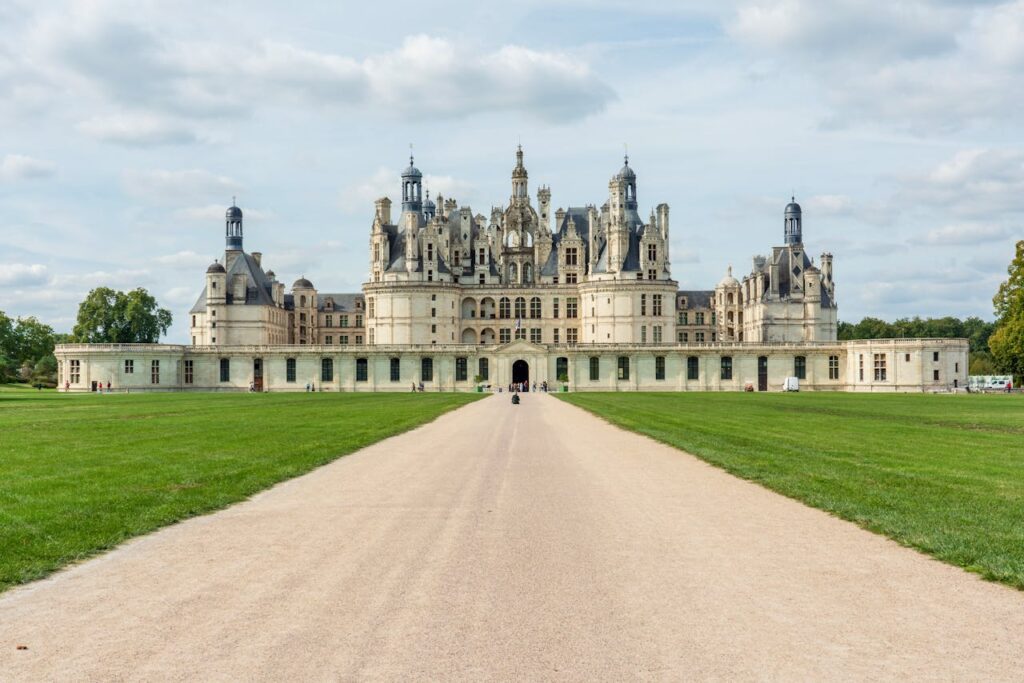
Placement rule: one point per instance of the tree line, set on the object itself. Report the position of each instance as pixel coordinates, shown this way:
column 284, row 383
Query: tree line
column 105, row 316
column 975, row 330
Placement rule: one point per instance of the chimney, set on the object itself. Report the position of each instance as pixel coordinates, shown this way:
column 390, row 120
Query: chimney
column 257, row 256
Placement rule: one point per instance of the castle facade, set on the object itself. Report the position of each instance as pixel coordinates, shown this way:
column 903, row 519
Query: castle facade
column 580, row 295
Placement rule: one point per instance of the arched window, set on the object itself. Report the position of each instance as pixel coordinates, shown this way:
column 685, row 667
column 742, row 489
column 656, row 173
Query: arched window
column 729, row 298
column 562, row 369
column 535, row 307
column 800, row 367
column 520, row 307
column 326, row 370
column 729, row 316
column 726, row 367
column 595, row 368
column 504, row 308
column 427, row 370
column 527, row 273
column 513, row 274
column 483, row 370
column 302, row 301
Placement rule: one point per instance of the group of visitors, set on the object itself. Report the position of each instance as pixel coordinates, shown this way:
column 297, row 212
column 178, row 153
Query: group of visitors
column 516, row 387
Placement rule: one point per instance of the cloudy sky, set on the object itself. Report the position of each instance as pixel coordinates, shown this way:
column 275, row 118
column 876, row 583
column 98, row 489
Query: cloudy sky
column 126, row 128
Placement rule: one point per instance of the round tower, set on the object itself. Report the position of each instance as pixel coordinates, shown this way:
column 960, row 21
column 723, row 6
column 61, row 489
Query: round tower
column 233, row 228
column 794, row 232
column 412, row 187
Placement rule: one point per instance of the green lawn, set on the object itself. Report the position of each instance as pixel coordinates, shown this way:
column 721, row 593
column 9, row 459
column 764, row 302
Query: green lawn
column 79, row 474
column 943, row 474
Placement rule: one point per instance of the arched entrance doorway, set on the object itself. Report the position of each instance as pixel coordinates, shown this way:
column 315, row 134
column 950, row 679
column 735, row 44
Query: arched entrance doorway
column 521, row 372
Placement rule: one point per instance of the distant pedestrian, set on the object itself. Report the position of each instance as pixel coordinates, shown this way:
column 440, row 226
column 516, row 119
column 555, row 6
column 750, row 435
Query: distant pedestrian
column 414, row 387
column 67, row 385
column 108, row 386
column 307, row 387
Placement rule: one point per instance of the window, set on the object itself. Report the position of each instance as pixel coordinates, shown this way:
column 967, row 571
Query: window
column 554, row 308
column 75, row 371
column 482, row 278
column 430, row 251
column 343, row 340
column 659, row 367
column 684, row 318
column 656, row 304
column 427, row 370
column 698, row 337
column 571, row 307
column 643, row 334
column 371, row 307
column 860, row 366
column 643, row 304
column 433, row 312
column 651, row 274
column 328, row 320
column 692, row 367
column 328, row 340
column 154, row 372
column 595, row 368
column 571, row 256
column 129, row 367
column 483, row 369
column 193, row 321
column 326, row 369
column 456, row 261
column 652, row 252
column 359, row 319
column 481, row 257
column 698, row 318
column 189, row 372
column 572, row 335
column 935, row 375
column 623, row 367
column 504, row 335
column 570, row 278
column 504, row 307
column 906, row 358
column 555, row 333
column 361, row 369
column 289, row 370
column 520, row 333
column 657, row 334
column 343, row 321
column 726, row 367
column 433, row 329
column 879, row 367
column 935, row 357
column 800, row 367
column 359, row 339
column 684, row 337
column 535, row 335
column 396, row 369
column 833, row 367
column 535, row 307
column 225, row 369
column 461, row 369
column 520, row 307
column 554, row 279
column 561, row 368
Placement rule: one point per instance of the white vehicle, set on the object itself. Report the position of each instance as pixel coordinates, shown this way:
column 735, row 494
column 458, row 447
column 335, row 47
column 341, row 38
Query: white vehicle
column 998, row 383
column 791, row 384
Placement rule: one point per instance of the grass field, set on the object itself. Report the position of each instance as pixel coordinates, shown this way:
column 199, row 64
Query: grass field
column 79, row 474
column 943, row 474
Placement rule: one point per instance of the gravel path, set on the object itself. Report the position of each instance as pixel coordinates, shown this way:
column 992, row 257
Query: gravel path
column 501, row 543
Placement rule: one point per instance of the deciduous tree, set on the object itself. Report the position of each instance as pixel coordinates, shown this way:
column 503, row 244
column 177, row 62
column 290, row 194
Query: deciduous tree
column 113, row 317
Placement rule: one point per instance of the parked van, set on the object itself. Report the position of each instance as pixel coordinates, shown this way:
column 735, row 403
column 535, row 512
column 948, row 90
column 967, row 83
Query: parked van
column 791, row 384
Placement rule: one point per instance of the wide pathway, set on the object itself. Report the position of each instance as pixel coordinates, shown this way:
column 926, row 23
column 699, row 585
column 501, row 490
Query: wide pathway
column 514, row 543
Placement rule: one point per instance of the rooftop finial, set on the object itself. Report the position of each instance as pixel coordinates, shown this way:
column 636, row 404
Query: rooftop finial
column 410, row 155
column 625, row 153
column 233, row 200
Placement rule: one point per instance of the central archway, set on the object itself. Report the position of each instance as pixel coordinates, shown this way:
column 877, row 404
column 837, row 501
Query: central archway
column 520, row 372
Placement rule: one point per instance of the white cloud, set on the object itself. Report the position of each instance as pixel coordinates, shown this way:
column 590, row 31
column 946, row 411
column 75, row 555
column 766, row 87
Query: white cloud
column 966, row 234
column 178, row 187
column 184, row 260
column 977, row 183
column 21, row 167
column 23, row 274
column 134, row 129
column 386, row 182
column 911, row 65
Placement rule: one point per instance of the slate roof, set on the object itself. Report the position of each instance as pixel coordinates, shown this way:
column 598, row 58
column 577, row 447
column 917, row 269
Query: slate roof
column 258, row 287
column 696, row 298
